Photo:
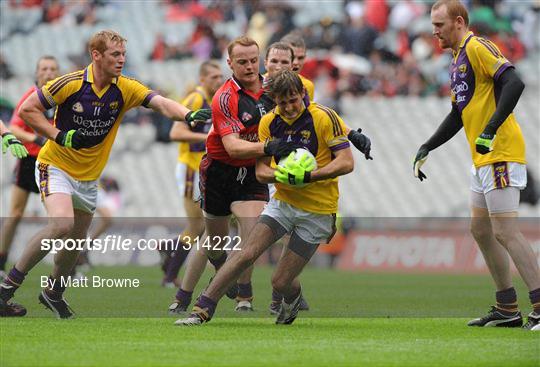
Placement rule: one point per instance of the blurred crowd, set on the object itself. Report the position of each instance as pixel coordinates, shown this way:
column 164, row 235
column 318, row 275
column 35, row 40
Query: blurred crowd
column 375, row 48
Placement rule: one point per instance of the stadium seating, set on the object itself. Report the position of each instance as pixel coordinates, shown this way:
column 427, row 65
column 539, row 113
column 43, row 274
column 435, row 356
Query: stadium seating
column 384, row 187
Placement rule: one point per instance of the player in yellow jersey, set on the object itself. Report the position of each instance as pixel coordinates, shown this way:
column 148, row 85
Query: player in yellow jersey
column 280, row 56
column 293, row 39
column 90, row 105
column 485, row 90
column 191, row 149
column 308, row 213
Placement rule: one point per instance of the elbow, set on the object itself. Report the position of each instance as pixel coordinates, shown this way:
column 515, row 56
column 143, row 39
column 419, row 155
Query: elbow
column 234, row 153
column 259, row 176
column 520, row 85
column 23, row 112
column 350, row 168
column 173, row 136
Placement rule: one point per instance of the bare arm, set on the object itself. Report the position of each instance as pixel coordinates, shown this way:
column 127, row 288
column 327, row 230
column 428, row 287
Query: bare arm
column 263, row 170
column 168, row 108
column 3, row 128
column 342, row 164
column 22, row 135
column 181, row 132
column 242, row 149
column 31, row 111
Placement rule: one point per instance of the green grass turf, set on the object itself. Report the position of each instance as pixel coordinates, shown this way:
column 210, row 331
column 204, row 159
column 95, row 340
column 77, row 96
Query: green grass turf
column 356, row 319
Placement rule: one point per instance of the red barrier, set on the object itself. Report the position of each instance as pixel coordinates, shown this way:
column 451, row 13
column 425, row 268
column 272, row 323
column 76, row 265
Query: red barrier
column 418, row 251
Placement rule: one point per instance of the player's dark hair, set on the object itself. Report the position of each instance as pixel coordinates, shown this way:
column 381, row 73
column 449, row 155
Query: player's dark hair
column 294, row 39
column 205, row 67
column 279, row 46
column 99, row 40
column 454, row 8
column 242, row 41
column 285, row 83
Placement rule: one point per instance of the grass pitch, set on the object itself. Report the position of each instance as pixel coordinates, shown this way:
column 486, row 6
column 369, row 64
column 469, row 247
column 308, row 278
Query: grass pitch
column 355, row 319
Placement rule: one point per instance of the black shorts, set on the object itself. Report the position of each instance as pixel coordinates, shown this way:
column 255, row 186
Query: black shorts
column 222, row 184
column 24, row 174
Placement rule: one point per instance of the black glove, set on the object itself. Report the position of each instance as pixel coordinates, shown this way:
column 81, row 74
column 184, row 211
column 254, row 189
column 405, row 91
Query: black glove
column 40, row 140
column 279, row 148
column 72, row 139
column 361, row 142
column 485, row 141
column 198, row 115
column 419, row 160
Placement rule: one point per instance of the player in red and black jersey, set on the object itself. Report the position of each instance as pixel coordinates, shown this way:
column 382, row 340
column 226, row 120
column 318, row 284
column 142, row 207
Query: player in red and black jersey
column 24, row 181
column 227, row 172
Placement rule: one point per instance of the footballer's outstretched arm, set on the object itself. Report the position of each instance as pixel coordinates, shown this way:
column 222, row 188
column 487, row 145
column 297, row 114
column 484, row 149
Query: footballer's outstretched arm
column 181, row 132
column 446, row 130
column 241, row 149
column 23, row 135
column 3, row 128
column 342, row 164
column 168, row 108
column 31, row 111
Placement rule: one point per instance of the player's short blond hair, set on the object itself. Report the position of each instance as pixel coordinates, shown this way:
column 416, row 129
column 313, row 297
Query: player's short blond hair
column 99, row 40
column 454, row 8
column 242, row 41
column 285, row 83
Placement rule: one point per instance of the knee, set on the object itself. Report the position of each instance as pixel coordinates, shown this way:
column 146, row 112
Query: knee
column 196, row 226
column 61, row 227
column 481, row 232
column 247, row 258
column 16, row 214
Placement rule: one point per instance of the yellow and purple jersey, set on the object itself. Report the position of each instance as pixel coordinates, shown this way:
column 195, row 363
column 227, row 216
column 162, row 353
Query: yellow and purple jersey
column 192, row 153
column 310, row 87
column 320, row 130
column 98, row 113
column 473, row 72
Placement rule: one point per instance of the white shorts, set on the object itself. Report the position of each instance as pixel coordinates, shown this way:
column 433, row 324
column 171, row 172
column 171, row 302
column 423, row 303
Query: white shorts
column 498, row 176
column 271, row 190
column 187, row 180
column 51, row 180
column 496, row 187
column 311, row 227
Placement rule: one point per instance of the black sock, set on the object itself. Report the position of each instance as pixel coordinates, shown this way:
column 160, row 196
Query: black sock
column 534, row 296
column 245, row 292
column 276, row 296
column 290, row 298
column 507, row 301
column 54, row 288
